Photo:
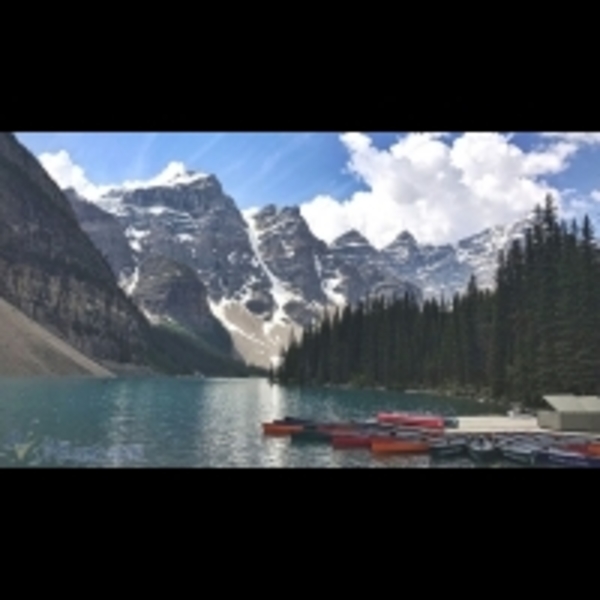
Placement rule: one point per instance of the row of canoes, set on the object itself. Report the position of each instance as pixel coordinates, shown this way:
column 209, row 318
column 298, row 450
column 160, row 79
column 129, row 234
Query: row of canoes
column 401, row 433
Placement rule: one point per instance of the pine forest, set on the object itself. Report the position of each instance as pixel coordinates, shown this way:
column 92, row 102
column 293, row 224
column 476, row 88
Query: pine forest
column 536, row 333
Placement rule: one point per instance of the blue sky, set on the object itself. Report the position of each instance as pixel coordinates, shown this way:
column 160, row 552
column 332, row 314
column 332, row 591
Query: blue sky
column 279, row 168
column 389, row 189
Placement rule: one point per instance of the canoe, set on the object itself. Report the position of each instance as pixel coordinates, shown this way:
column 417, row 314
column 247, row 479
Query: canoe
column 447, row 448
column 585, row 447
column 406, row 435
column 342, row 425
column 565, row 458
column 331, row 431
column 346, row 442
column 522, row 453
column 425, row 421
column 429, row 432
column 482, row 450
column 391, row 445
column 593, row 449
column 365, row 422
column 279, row 429
column 399, row 417
column 578, row 448
column 451, row 422
column 311, row 424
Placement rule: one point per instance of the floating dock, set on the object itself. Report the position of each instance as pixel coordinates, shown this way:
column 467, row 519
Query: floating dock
column 499, row 424
column 496, row 424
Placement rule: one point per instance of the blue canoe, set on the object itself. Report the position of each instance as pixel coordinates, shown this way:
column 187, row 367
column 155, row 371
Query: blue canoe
column 482, row 450
column 565, row 458
column 447, row 448
column 520, row 452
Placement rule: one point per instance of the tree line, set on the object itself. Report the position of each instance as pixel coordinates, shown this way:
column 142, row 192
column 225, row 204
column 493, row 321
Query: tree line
column 536, row 333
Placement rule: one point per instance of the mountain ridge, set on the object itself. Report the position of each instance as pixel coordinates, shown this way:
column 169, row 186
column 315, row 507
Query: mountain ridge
column 268, row 276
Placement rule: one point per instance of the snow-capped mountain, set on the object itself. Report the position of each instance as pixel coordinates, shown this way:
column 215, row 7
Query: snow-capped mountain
column 446, row 269
column 265, row 273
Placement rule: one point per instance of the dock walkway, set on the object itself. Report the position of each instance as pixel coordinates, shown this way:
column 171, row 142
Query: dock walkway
column 497, row 424
column 502, row 424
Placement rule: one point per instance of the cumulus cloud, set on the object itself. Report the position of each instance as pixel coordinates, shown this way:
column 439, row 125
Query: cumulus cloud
column 439, row 187
column 67, row 173
column 440, row 190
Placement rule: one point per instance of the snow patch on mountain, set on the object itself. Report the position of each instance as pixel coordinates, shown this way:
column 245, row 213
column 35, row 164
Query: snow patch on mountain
column 281, row 294
column 185, row 237
column 330, row 289
column 175, row 175
column 219, row 309
column 329, row 284
column 135, row 236
column 130, row 283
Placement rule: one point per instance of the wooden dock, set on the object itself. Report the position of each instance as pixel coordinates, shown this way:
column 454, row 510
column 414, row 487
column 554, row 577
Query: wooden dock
column 499, row 424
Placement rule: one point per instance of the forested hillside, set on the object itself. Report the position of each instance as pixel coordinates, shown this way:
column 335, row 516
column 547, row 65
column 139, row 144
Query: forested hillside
column 537, row 333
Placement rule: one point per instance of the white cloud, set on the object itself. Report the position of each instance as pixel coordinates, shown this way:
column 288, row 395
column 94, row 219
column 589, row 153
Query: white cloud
column 66, row 173
column 439, row 190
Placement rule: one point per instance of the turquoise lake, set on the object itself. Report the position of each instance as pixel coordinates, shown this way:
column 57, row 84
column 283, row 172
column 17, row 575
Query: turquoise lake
column 179, row 422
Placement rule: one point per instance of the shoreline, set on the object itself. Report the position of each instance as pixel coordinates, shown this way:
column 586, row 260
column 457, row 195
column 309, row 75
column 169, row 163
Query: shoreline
column 456, row 393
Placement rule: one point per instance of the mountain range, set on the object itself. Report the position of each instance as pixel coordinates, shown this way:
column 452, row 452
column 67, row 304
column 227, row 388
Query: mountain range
column 246, row 282
column 175, row 277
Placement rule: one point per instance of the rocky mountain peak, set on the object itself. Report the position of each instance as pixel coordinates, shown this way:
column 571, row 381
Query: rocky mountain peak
column 350, row 238
column 269, row 211
column 403, row 239
column 196, row 197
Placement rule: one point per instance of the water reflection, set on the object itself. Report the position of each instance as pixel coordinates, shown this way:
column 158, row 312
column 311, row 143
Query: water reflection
column 118, row 432
column 273, row 406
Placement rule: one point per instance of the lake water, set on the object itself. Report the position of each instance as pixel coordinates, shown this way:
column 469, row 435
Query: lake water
column 164, row 422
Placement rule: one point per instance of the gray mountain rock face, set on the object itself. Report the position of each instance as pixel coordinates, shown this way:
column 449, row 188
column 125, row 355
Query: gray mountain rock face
column 267, row 268
column 52, row 272
column 446, row 269
column 199, row 226
column 174, row 292
column 314, row 275
column 288, row 249
column 365, row 271
column 106, row 232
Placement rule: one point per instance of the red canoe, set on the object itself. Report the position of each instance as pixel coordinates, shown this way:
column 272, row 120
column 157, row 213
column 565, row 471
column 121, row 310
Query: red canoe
column 350, row 441
column 586, row 448
column 277, row 429
column 340, row 429
column 365, row 440
column 425, row 421
column 399, row 446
